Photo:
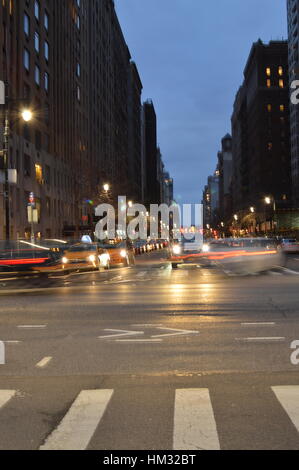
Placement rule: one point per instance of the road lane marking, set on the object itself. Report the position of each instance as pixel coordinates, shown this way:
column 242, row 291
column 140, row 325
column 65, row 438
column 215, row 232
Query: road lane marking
column 78, row 426
column 5, row 396
column 44, row 362
column 33, row 327
column 288, row 397
column 138, row 341
column 261, row 340
column 142, row 274
column 176, row 332
column 120, row 333
column 259, row 324
column 12, row 342
column 148, row 325
column 194, row 421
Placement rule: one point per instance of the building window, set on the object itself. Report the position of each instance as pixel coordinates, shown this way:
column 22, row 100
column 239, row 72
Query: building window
column 78, row 70
column 37, row 75
column 36, row 9
column 46, row 21
column 38, row 173
column 26, row 24
column 46, row 81
column 47, row 51
column 36, row 41
column 280, row 71
column 26, row 59
column 27, row 165
column 281, row 84
column 78, row 93
column 270, row 146
column 269, row 107
column 281, row 108
column 268, row 72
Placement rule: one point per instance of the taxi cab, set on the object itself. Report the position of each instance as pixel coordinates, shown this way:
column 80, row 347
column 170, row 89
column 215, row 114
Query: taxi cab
column 121, row 253
column 85, row 256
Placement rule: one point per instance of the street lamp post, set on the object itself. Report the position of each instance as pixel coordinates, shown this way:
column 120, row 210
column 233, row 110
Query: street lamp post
column 26, row 116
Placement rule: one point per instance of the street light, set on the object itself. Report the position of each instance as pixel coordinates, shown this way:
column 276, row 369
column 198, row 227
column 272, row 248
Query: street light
column 27, row 115
column 236, row 217
column 252, row 210
column 268, row 200
column 106, row 187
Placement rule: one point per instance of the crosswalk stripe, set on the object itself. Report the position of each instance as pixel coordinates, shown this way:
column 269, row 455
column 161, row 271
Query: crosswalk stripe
column 194, row 421
column 79, row 424
column 288, row 397
column 5, row 396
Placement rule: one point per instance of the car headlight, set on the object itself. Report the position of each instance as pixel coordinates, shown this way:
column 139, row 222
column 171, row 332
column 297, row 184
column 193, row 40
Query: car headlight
column 176, row 250
column 92, row 258
column 104, row 258
column 64, row 260
column 123, row 253
column 205, row 248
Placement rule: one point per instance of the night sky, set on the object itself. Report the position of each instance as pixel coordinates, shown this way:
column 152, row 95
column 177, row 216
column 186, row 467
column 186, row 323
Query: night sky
column 191, row 55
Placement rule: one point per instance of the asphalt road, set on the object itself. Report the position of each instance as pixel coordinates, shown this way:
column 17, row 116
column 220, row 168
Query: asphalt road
column 151, row 358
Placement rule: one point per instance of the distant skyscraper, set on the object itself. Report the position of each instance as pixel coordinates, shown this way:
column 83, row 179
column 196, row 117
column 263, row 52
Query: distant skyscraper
column 293, row 32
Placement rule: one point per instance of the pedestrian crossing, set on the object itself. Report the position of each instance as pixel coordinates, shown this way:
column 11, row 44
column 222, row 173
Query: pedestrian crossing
column 195, row 425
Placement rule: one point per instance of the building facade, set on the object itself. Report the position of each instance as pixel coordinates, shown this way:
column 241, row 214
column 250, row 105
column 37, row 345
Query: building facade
column 293, row 55
column 69, row 62
column 260, row 132
column 225, row 162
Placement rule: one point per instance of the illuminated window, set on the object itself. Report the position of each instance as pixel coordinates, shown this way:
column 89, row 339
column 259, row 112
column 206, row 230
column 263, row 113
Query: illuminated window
column 268, row 71
column 281, row 83
column 281, row 108
column 39, row 173
column 280, row 71
column 270, row 146
column 268, row 83
column 269, row 107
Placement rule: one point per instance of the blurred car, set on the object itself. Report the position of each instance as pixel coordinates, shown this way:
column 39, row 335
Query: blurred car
column 187, row 251
column 289, row 245
column 121, row 252
column 25, row 256
column 85, row 256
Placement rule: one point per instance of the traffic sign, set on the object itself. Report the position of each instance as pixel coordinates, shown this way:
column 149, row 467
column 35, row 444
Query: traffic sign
column 2, row 93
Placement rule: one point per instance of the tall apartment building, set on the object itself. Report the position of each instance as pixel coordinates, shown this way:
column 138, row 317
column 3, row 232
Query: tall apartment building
column 70, row 62
column 211, row 202
column 260, row 130
column 152, row 155
column 293, row 31
column 225, row 161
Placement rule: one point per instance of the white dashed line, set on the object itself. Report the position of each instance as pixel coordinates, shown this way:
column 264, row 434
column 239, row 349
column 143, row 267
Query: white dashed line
column 259, row 324
column 261, row 340
column 32, row 327
column 44, row 362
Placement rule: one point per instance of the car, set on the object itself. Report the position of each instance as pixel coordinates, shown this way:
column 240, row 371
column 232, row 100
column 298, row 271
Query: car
column 140, row 247
column 289, row 245
column 85, row 256
column 121, row 253
column 25, row 256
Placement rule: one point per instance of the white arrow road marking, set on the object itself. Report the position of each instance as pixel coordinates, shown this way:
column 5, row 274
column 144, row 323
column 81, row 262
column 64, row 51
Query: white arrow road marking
column 78, row 426
column 177, row 332
column 194, row 421
column 5, row 396
column 288, row 397
column 120, row 333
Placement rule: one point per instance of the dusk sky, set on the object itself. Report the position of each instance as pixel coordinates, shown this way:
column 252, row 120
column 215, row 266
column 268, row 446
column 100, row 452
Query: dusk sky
column 191, row 55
